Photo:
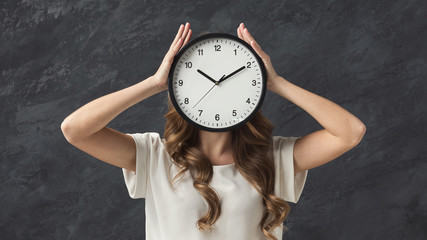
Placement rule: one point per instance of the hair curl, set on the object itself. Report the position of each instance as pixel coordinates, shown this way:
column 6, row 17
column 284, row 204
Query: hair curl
column 252, row 151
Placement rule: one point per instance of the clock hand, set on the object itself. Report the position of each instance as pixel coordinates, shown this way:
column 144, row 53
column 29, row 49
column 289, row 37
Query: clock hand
column 231, row 74
column 204, row 74
column 208, row 92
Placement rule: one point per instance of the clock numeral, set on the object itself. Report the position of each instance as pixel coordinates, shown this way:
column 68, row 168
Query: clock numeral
column 217, row 48
column 234, row 113
column 217, row 117
column 253, row 82
column 235, row 51
column 248, row 100
column 186, row 101
column 188, row 64
column 180, row 82
column 200, row 112
column 200, row 52
column 248, row 65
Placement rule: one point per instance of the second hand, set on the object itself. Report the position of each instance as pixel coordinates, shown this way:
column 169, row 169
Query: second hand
column 207, row 92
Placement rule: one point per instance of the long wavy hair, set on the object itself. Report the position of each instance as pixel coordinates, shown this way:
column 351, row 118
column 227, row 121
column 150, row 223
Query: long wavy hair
column 252, row 151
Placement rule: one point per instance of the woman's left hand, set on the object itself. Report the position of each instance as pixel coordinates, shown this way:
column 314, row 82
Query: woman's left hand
column 272, row 76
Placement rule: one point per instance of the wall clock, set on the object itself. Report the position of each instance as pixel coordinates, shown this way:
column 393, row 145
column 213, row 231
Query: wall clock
column 217, row 82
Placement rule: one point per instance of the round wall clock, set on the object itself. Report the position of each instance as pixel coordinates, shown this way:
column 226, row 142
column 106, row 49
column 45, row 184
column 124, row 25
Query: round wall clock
column 217, row 82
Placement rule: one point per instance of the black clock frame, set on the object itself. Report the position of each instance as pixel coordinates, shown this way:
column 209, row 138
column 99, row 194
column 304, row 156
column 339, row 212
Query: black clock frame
column 189, row 45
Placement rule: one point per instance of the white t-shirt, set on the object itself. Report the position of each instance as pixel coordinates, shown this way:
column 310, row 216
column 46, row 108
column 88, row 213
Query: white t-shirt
column 172, row 214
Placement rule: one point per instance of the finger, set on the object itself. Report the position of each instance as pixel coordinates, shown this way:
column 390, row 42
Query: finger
column 258, row 49
column 249, row 39
column 239, row 32
column 186, row 29
column 176, row 47
column 254, row 44
column 187, row 38
column 242, row 26
column 172, row 51
column 247, row 35
column 178, row 35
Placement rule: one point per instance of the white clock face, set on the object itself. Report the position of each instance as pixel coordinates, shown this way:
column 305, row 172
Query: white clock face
column 217, row 82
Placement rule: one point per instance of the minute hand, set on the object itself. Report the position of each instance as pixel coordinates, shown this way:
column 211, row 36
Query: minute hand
column 231, row 74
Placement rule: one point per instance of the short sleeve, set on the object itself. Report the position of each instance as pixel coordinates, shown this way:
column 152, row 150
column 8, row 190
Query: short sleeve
column 288, row 185
column 146, row 146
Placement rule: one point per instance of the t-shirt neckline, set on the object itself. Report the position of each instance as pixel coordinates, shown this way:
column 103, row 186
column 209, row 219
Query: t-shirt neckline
column 223, row 165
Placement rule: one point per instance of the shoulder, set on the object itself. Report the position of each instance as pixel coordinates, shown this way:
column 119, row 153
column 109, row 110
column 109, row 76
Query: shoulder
column 288, row 183
column 283, row 148
column 147, row 138
column 280, row 142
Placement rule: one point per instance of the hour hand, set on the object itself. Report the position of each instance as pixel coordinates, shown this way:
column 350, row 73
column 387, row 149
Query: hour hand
column 231, row 74
column 207, row 76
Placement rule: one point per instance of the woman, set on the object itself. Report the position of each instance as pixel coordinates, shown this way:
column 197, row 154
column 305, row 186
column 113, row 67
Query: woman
column 234, row 183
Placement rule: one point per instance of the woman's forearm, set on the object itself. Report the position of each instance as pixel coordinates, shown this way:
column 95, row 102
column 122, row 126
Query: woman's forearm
column 96, row 114
column 335, row 119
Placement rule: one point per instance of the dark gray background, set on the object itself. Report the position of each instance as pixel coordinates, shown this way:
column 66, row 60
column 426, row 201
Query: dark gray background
column 367, row 56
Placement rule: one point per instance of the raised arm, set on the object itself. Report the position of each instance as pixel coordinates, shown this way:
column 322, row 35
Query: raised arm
column 342, row 130
column 86, row 127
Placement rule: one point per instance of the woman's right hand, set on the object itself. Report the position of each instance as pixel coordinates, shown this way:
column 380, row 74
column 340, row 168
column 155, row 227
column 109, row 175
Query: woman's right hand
column 160, row 78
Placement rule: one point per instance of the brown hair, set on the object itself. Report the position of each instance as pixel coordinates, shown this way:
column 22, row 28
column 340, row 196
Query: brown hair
column 252, row 151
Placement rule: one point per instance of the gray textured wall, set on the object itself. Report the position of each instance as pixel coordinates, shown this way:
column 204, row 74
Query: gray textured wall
column 367, row 56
